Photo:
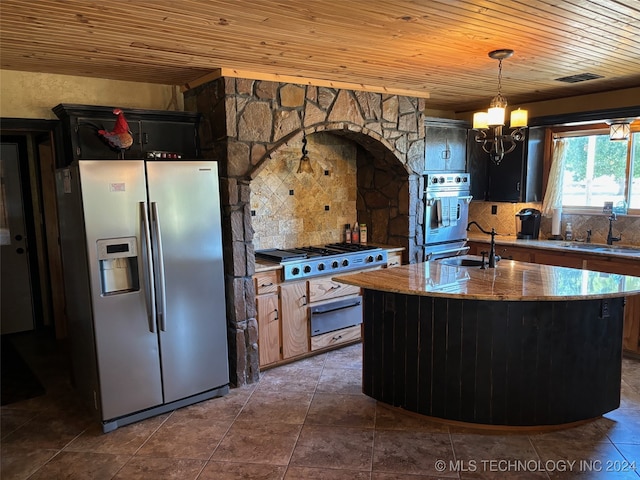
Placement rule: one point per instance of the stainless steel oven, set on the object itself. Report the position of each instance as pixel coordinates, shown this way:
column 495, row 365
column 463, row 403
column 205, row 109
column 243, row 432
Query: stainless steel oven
column 447, row 198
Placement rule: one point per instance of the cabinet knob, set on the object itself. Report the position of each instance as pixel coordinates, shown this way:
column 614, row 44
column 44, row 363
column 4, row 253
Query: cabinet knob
column 254, row 346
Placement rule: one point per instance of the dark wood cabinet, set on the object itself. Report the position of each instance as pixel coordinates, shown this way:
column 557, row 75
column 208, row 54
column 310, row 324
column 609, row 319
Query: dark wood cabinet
column 153, row 131
column 445, row 145
column 518, row 177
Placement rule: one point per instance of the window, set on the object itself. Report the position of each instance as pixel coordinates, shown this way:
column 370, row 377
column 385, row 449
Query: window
column 596, row 170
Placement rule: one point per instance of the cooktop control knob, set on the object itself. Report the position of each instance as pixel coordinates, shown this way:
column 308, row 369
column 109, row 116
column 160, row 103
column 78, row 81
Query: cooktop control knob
column 334, row 264
column 369, row 259
column 458, row 179
column 435, row 180
column 379, row 257
column 307, row 269
column 441, row 179
column 345, row 263
column 321, row 266
column 295, row 271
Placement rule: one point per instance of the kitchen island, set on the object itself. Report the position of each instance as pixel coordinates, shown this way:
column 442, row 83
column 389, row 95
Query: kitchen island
column 519, row 345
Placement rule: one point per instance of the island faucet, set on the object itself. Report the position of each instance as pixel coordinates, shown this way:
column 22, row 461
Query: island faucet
column 492, row 249
column 610, row 237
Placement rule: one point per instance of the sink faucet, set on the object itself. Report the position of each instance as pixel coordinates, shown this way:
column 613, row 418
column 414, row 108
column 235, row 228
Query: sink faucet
column 492, row 249
column 610, row 237
column 479, row 227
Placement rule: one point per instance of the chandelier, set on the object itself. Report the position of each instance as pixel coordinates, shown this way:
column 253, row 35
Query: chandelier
column 489, row 124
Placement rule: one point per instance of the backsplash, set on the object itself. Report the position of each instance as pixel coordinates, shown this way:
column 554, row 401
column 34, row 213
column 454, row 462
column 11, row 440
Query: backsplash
column 506, row 223
column 291, row 209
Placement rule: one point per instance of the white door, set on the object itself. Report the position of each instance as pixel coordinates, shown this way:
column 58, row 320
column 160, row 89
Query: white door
column 15, row 283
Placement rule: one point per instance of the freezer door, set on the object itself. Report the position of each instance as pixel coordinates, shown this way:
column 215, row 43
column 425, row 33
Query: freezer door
column 186, row 227
column 126, row 348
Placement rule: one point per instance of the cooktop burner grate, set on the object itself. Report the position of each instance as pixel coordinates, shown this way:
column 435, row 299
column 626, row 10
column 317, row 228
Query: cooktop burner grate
column 351, row 247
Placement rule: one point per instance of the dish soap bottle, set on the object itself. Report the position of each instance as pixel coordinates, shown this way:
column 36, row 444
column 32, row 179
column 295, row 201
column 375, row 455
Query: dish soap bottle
column 568, row 234
column 355, row 233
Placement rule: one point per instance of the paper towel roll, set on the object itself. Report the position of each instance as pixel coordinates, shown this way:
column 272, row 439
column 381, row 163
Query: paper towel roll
column 556, row 221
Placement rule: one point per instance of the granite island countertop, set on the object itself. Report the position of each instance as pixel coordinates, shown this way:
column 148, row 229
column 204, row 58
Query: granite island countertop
column 510, row 280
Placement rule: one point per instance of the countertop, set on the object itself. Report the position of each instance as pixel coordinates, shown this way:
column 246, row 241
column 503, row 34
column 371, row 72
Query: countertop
column 510, row 280
column 617, row 251
column 266, row 265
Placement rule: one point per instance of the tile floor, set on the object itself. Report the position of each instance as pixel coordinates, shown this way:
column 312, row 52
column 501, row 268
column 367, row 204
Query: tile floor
column 306, row 420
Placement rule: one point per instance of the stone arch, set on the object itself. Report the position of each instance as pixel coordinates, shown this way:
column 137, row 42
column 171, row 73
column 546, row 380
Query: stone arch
column 355, row 132
column 244, row 120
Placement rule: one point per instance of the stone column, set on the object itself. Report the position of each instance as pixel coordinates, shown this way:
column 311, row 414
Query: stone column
column 245, row 120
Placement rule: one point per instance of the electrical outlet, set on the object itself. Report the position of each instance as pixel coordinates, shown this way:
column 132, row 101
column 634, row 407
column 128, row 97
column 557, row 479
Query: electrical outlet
column 494, row 209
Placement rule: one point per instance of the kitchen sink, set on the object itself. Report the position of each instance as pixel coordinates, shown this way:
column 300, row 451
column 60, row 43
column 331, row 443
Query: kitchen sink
column 464, row 261
column 597, row 247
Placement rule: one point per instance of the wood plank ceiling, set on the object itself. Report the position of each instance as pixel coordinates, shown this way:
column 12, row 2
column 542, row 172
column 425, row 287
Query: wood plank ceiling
column 427, row 48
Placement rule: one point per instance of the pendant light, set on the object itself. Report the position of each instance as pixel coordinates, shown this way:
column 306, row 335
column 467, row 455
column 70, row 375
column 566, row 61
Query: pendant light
column 489, row 124
column 305, row 163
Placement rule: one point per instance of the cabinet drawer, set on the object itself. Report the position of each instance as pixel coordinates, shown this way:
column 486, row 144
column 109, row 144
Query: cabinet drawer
column 511, row 253
column 324, row 288
column 266, row 282
column 336, row 338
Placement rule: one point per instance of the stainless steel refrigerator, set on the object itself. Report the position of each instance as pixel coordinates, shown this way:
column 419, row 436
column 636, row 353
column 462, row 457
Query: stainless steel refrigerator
column 142, row 259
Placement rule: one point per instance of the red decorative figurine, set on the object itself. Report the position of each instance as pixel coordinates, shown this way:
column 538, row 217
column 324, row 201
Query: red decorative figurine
column 120, row 138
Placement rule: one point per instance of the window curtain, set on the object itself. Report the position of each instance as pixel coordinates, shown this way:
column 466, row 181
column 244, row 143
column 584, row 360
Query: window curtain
column 553, row 195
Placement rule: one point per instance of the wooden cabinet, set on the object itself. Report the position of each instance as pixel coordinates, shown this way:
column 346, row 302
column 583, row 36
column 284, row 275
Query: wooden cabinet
column 445, row 145
column 283, row 314
column 338, row 337
column 631, row 331
column 152, row 130
column 295, row 319
column 513, row 253
column 324, row 288
column 518, row 177
column 268, row 328
column 507, row 252
column 559, row 259
column 266, row 282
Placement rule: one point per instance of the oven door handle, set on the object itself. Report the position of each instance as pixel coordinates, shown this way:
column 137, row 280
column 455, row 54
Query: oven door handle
column 329, row 309
column 466, row 199
column 462, row 250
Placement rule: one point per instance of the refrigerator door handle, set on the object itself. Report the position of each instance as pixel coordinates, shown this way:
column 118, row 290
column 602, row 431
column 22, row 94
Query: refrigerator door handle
column 157, row 233
column 149, row 294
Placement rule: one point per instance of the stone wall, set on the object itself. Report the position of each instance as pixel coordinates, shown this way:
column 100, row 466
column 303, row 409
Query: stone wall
column 245, row 121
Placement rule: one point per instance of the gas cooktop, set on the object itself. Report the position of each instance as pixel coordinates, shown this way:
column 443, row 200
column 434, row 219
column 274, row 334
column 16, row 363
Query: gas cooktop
column 310, row 261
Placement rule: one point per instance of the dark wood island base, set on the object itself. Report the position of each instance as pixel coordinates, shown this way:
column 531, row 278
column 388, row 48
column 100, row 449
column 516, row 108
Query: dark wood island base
column 519, row 345
column 493, row 362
